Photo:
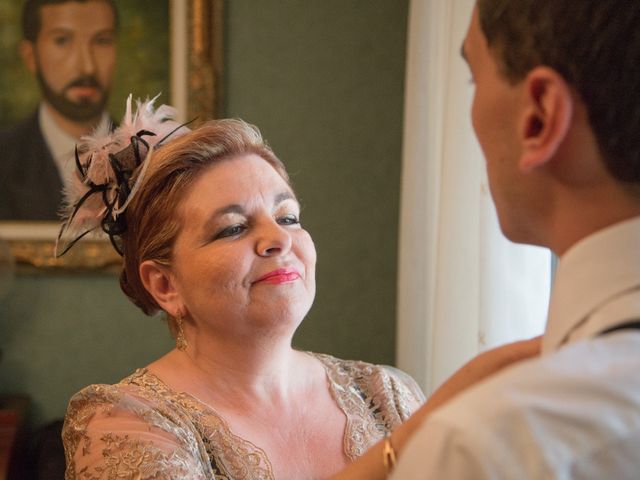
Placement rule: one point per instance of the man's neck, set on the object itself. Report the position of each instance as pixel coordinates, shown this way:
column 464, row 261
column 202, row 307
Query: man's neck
column 73, row 128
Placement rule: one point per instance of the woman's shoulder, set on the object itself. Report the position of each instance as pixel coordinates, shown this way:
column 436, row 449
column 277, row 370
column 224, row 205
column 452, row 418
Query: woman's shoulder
column 372, row 379
column 105, row 424
column 358, row 369
column 139, row 384
column 141, row 397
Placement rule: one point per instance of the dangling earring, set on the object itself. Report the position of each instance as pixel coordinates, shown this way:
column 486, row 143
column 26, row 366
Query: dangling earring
column 181, row 342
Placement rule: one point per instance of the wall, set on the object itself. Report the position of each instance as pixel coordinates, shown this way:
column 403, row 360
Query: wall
column 323, row 79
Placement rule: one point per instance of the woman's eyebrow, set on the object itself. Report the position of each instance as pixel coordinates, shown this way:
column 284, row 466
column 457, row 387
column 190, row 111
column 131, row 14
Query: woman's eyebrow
column 281, row 197
column 211, row 221
column 237, row 208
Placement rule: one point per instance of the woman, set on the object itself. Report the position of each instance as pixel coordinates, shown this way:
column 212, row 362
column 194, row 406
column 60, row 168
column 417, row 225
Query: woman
column 210, row 232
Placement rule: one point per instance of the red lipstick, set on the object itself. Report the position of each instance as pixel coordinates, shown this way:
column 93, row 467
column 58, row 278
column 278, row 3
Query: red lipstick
column 279, row 276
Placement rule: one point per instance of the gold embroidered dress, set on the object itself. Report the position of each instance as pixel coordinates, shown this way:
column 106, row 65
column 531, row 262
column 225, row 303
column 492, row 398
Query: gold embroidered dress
column 141, row 429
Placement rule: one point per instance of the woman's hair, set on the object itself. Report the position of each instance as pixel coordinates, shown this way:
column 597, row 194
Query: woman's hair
column 152, row 218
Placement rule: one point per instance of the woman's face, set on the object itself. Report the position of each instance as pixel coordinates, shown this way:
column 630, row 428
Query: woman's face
column 242, row 263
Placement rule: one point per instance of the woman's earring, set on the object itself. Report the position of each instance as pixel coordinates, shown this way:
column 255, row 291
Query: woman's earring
column 181, row 342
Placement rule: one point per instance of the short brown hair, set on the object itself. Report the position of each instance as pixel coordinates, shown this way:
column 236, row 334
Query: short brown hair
column 31, row 22
column 152, row 219
column 595, row 46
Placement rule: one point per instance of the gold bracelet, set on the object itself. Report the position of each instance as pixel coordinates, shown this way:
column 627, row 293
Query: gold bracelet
column 388, row 455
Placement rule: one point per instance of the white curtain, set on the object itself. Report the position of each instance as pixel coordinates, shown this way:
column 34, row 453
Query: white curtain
column 462, row 286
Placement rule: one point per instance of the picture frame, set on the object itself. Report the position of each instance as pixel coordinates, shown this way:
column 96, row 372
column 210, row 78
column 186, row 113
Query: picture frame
column 196, row 68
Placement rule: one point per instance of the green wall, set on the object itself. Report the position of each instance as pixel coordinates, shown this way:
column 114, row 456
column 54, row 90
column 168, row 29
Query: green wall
column 323, row 79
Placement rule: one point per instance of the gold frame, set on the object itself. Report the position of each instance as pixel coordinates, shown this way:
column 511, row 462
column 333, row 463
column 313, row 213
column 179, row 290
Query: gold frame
column 205, row 54
column 32, row 244
column 31, row 247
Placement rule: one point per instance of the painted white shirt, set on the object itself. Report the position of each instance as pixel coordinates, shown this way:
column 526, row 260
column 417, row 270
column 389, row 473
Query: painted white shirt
column 61, row 144
column 573, row 413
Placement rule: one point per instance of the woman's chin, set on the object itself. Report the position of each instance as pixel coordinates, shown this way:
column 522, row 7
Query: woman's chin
column 284, row 320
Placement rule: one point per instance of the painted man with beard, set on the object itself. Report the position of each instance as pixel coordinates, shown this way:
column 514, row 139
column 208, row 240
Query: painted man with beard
column 70, row 47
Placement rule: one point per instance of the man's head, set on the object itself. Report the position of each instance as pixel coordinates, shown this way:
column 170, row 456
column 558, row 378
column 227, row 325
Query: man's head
column 594, row 45
column 70, row 46
column 552, row 111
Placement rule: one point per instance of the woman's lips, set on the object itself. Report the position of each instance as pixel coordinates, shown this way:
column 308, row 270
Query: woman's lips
column 279, row 276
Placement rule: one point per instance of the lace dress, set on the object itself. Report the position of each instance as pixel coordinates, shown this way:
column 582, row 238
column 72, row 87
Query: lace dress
column 140, row 428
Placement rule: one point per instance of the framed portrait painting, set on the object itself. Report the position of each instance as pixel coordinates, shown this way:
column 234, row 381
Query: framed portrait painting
column 170, row 48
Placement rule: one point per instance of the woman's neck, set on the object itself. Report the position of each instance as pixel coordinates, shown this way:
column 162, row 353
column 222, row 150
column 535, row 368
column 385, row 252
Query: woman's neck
column 237, row 373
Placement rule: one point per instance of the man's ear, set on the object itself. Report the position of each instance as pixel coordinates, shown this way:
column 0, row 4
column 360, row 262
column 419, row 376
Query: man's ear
column 28, row 54
column 546, row 117
column 158, row 280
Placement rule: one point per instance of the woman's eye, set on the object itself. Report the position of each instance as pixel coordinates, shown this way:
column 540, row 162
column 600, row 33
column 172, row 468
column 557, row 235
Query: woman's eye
column 288, row 220
column 231, row 231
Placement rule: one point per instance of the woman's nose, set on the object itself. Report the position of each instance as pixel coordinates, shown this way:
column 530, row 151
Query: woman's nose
column 273, row 240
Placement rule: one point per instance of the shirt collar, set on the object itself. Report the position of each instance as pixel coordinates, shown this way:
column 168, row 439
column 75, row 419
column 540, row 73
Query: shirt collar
column 593, row 271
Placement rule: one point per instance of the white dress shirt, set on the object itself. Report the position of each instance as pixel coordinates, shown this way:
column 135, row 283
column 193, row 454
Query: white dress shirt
column 62, row 145
column 574, row 412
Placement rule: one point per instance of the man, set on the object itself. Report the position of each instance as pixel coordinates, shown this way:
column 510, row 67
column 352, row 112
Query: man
column 69, row 45
column 556, row 117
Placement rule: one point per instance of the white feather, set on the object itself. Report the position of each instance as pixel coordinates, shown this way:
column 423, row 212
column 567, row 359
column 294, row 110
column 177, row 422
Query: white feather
column 94, row 152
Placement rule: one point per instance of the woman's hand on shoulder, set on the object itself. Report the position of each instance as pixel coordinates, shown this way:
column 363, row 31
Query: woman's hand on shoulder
column 481, row 367
column 370, row 465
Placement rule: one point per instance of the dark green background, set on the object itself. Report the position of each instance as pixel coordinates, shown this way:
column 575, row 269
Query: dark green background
column 323, row 79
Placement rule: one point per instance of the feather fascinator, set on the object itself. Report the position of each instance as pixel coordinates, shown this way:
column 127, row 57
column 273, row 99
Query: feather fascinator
column 102, row 185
